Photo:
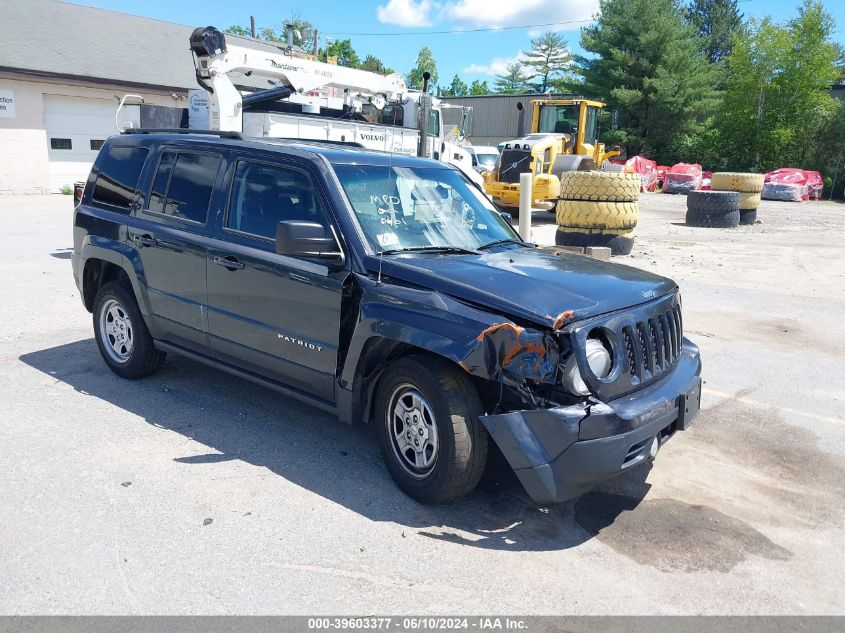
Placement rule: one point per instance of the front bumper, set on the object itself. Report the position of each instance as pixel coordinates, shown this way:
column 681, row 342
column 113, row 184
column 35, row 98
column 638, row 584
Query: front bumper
column 561, row 453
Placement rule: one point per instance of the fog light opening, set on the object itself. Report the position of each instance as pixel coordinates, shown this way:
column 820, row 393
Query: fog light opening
column 655, row 446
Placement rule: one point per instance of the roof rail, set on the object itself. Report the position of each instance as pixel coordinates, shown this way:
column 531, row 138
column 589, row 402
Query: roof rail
column 314, row 141
column 221, row 133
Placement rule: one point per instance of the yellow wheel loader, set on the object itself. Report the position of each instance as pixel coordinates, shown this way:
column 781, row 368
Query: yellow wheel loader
column 564, row 137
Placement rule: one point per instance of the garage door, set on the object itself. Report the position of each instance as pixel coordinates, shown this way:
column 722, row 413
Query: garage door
column 76, row 128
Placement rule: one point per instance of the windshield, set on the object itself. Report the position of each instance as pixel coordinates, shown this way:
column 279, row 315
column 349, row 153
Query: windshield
column 558, row 119
column 487, row 159
column 412, row 207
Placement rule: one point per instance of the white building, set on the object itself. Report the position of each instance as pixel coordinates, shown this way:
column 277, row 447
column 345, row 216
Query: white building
column 63, row 69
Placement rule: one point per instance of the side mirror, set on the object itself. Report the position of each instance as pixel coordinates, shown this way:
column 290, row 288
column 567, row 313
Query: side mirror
column 507, row 217
column 298, row 238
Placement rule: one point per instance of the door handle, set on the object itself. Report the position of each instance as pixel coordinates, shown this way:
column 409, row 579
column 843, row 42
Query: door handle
column 144, row 240
column 230, row 261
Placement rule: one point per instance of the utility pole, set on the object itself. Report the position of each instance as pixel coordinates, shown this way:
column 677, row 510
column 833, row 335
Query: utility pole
column 316, row 44
column 252, row 26
column 835, row 174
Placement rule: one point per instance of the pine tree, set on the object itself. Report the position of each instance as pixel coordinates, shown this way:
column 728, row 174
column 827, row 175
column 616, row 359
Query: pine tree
column 548, row 60
column 479, row 87
column 457, row 88
column 647, row 63
column 425, row 63
column 717, row 22
column 514, row 81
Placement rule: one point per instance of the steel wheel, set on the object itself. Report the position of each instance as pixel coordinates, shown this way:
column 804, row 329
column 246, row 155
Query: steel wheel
column 116, row 331
column 412, row 431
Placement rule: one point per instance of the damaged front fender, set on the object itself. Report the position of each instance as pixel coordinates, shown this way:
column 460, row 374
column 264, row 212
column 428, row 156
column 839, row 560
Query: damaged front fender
column 509, row 353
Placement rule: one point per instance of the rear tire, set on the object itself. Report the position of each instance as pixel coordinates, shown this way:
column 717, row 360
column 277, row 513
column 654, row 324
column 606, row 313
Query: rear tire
column 429, row 432
column 122, row 335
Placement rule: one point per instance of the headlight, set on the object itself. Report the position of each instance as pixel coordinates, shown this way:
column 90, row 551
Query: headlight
column 599, row 360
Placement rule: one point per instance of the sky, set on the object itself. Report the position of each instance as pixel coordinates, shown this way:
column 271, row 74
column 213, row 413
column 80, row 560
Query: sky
column 395, row 30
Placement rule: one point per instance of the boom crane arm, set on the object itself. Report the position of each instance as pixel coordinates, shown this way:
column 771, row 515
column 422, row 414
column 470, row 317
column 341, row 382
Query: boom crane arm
column 302, row 80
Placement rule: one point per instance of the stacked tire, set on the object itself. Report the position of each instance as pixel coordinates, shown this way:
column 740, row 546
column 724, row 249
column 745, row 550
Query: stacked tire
column 714, row 209
column 749, row 186
column 598, row 209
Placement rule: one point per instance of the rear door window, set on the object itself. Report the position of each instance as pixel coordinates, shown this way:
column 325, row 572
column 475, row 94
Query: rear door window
column 183, row 185
column 119, row 175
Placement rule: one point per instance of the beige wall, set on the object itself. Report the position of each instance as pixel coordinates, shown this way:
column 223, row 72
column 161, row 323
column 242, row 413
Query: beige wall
column 23, row 139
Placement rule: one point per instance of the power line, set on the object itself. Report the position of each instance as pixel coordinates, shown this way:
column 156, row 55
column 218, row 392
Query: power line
column 492, row 28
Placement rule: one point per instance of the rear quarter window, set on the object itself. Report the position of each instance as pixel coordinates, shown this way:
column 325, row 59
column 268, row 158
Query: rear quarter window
column 118, row 176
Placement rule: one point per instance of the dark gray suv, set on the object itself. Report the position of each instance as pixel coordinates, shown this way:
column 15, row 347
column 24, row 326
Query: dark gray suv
column 388, row 290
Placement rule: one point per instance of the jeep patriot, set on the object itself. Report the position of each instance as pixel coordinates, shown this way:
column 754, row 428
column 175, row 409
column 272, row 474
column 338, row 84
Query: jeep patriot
column 387, row 290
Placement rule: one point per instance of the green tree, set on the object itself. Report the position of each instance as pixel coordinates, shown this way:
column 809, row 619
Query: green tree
column 457, row 88
column 342, row 49
column 305, row 39
column 375, row 65
column 239, row 30
column 514, row 81
column 548, row 60
column 425, row 63
column 647, row 63
column 777, row 98
column 479, row 87
column 717, row 22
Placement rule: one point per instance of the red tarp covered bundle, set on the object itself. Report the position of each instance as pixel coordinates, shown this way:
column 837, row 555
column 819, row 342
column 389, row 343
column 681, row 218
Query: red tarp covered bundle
column 815, row 184
column 647, row 169
column 792, row 185
column 662, row 170
column 682, row 177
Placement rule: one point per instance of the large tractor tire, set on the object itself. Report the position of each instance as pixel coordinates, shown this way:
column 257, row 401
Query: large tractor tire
column 735, row 181
column 749, row 201
column 581, row 214
column 718, row 201
column 713, row 219
column 748, row 216
column 600, row 186
column 619, row 241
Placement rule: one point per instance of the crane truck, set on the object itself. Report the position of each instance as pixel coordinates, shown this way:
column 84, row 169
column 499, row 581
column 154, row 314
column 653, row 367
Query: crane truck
column 564, row 137
column 309, row 99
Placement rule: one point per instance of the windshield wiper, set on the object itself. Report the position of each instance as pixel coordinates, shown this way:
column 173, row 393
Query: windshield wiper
column 429, row 249
column 508, row 240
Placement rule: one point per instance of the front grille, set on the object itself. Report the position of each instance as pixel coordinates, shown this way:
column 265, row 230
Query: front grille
column 652, row 345
column 512, row 163
column 646, row 341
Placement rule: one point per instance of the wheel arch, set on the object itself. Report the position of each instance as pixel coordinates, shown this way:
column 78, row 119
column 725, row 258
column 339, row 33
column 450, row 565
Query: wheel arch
column 98, row 272
column 376, row 355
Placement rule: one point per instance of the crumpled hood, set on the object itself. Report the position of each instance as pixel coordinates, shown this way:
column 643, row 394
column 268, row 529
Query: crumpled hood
column 530, row 283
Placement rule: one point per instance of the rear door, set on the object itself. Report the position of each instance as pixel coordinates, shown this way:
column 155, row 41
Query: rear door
column 273, row 315
column 170, row 243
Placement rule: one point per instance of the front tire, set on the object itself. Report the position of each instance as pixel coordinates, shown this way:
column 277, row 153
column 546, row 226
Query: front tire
column 121, row 334
column 429, row 431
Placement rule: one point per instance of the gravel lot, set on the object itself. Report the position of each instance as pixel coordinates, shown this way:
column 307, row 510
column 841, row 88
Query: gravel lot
column 194, row 492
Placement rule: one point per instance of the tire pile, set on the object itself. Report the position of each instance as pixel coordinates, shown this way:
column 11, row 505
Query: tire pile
column 749, row 187
column 598, row 209
column 733, row 201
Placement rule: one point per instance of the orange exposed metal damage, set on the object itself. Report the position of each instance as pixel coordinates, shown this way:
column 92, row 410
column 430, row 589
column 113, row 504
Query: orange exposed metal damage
column 513, row 354
column 562, row 318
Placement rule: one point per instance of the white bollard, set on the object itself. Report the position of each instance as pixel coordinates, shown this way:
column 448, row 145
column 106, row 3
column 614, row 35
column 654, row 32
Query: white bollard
column 525, row 201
